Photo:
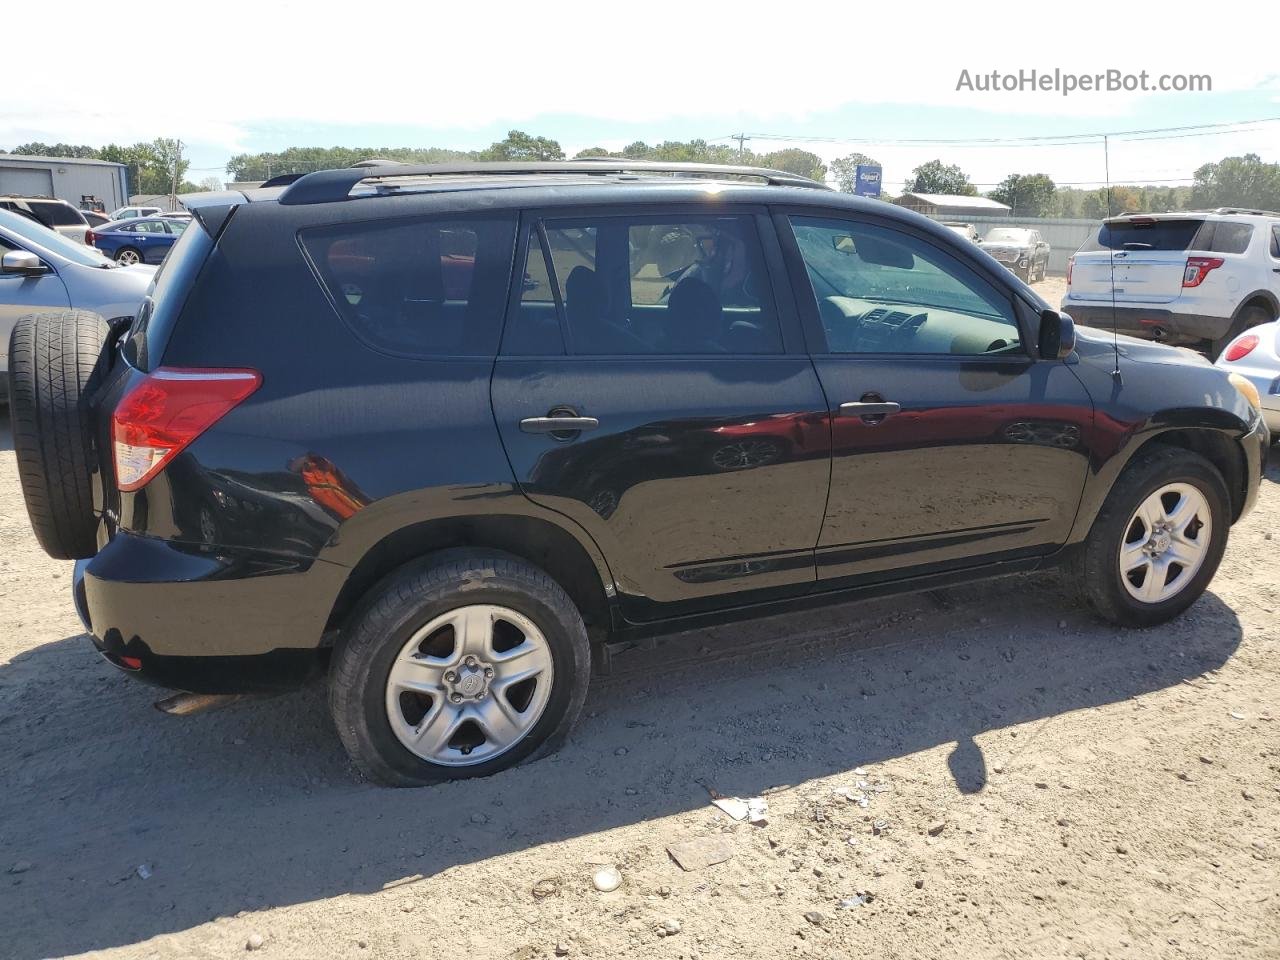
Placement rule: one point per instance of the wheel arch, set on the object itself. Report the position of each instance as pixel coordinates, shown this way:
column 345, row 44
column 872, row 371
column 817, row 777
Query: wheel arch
column 541, row 542
column 1258, row 298
column 1214, row 442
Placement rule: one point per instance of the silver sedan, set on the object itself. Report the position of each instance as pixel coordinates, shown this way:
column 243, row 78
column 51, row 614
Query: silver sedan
column 42, row 270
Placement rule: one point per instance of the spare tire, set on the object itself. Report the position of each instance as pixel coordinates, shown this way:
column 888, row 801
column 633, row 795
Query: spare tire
column 56, row 361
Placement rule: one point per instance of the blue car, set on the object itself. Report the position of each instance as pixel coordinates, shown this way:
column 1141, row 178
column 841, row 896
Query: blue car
column 142, row 240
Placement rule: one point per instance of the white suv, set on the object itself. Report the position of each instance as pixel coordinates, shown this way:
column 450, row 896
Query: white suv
column 1179, row 277
column 57, row 215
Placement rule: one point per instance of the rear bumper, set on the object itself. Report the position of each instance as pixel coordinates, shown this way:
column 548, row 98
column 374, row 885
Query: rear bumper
column 206, row 622
column 1150, row 323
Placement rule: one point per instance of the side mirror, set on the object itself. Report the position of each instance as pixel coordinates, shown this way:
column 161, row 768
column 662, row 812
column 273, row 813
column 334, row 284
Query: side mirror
column 843, row 243
column 1057, row 335
column 22, row 262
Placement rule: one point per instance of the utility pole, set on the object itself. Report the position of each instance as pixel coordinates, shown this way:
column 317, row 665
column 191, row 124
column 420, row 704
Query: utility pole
column 173, row 192
column 742, row 139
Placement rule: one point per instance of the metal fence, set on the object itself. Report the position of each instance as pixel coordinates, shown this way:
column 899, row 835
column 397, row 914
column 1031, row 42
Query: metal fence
column 1063, row 236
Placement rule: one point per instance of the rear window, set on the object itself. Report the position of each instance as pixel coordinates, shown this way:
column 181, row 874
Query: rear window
column 424, row 288
column 57, row 214
column 1145, row 235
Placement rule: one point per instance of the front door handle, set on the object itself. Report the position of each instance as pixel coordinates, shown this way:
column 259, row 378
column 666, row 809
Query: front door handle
column 870, row 411
column 558, row 424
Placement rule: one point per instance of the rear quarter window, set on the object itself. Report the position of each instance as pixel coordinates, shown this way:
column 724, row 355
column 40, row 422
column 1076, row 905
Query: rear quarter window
column 1229, row 237
column 58, row 214
column 419, row 288
column 145, row 343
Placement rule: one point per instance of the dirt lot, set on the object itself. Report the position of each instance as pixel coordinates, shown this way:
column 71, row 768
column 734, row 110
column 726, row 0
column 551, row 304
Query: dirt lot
column 1045, row 786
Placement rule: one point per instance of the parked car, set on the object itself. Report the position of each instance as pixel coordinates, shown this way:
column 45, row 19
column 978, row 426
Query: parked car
column 129, row 213
column 1255, row 355
column 94, row 219
column 43, row 270
column 454, row 444
column 1190, row 278
column 176, row 215
column 966, row 230
column 143, row 240
column 1020, row 249
column 57, row 215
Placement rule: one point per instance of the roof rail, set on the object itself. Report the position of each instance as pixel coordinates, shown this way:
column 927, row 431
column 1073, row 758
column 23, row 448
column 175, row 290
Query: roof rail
column 330, row 186
column 1245, row 211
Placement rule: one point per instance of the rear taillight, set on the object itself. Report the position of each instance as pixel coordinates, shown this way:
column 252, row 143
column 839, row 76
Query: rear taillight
column 1241, row 347
column 160, row 416
column 1198, row 268
column 89, row 238
column 1071, row 265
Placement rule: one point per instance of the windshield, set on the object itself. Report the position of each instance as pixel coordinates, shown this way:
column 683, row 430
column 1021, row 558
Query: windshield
column 52, row 241
column 1007, row 235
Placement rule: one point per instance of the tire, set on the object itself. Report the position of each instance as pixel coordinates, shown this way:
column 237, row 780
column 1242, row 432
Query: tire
column 126, row 256
column 384, row 634
column 1249, row 317
column 56, row 361
column 1158, row 468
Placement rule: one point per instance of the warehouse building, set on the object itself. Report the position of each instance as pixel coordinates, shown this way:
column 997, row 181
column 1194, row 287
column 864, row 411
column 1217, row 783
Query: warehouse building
column 952, row 205
column 82, row 183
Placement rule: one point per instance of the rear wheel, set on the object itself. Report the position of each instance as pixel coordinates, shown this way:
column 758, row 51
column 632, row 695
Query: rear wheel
column 1158, row 539
column 127, row 256
column 459, row 666
column 56, row 362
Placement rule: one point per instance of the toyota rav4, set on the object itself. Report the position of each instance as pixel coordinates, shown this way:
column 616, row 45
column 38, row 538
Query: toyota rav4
column 452, row 432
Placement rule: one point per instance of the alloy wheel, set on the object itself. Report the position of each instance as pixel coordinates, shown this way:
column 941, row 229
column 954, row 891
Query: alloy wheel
column 1165, row 543
column 469, row 685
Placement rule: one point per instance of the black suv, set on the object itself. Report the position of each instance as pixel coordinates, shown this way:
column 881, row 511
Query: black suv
column 448, row 431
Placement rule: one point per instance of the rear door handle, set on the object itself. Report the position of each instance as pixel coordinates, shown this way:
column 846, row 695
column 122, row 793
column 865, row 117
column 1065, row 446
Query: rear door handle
column 558, row 424
column 871, row 412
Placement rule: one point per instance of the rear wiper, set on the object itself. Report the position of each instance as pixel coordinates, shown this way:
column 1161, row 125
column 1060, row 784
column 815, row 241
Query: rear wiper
column 1135, row 245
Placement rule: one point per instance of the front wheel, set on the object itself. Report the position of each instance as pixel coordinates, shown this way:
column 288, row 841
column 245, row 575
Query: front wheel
column 459, row 666
column 1158, row 539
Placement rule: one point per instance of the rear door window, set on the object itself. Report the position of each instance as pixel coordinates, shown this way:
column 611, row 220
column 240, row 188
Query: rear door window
column 1145, row 235
column 422, row 288
column 678, row 285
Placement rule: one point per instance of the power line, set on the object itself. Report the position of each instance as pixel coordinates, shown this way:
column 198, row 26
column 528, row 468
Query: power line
column 1061, row 139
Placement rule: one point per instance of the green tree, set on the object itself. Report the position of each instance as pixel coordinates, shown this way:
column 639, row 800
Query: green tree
column 800, row 162
column 141, row 162
column 521, row 146
column 1028, row 194
column 845, row 170
column 210, row 184
column 591, row 152
column 78, row 150
column 1237, row 182
column 938, row 177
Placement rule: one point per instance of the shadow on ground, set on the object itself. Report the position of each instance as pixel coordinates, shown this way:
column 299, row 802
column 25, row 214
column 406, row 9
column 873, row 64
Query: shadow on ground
column 257, row 806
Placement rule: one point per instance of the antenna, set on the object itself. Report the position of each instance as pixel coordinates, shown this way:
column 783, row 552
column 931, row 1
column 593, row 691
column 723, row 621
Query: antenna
column 1111, row 257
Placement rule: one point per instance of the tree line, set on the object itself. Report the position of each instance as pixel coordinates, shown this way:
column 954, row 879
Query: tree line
column 1245, row 181
column 152, row 166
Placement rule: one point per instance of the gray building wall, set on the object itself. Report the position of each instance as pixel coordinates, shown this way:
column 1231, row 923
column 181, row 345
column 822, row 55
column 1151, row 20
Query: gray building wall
column 64, row 178
column 1064, row 236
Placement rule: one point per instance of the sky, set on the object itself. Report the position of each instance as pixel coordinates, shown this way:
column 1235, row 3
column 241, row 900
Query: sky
column 269, row 75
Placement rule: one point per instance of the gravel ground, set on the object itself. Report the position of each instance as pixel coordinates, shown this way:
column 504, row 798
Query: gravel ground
column 1039, row 785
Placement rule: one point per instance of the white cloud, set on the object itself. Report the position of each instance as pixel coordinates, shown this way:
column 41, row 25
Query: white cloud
column 469, row 65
